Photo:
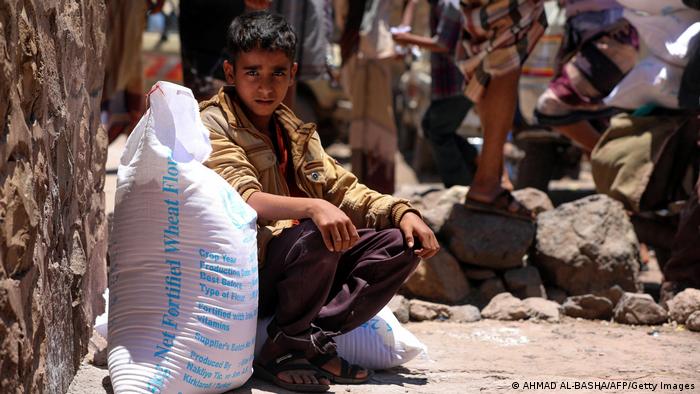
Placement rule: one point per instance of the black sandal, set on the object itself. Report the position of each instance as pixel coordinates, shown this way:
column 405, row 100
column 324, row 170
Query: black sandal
column 290, row 362
column 501, row 206
column 348, row 372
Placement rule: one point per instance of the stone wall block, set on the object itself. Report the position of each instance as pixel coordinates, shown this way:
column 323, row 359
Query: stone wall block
column 52, row 222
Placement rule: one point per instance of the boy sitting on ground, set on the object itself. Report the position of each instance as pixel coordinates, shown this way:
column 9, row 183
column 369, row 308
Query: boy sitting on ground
column 332, row 252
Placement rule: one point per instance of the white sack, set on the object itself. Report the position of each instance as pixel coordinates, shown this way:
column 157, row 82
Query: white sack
column 667, row 36
column 651, row 81
column 654, row 7
column 183, row 279
column 380, row 343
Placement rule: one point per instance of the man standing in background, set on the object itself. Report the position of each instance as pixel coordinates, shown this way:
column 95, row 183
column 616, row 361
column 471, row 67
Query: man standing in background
column 367, row 49
column 454, row 157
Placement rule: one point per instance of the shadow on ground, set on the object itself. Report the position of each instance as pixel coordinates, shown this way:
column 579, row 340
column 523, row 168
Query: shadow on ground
column 398, row 376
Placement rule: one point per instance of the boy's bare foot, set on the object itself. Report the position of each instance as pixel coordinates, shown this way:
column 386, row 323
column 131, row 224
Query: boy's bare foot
column 288, row 369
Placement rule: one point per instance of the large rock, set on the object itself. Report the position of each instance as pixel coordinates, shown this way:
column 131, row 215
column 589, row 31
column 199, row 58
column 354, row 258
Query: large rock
column 421, row 196
column 587, row 246
column 487, row 240
column 533, row 199
column 399, row 306
column 524, row 282
column 588, row 306
column 52, row 158
column 684, row 304
column 614, row 294
column 437, row 210
column 635, row 308
column 477, row 273
column 423, row 310
column 439, row 279
column 464, row 314
column 542, row 309
column 490, row 288
column 505, row 307
column 693, row 321
column 97, row 350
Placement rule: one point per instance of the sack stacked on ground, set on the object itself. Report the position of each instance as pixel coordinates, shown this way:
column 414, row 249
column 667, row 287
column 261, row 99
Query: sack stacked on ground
column 654, row 7
column 380, row 343
column 183, row 279
column 651, row 81
column 667, row 28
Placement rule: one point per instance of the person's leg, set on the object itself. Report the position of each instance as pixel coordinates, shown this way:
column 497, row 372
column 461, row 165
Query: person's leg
column 372, row 133
column 296, row 259
column 294, row 284
column 454, row 160
column 368, row 275
column 316, row 294
column 582, row 133
column 496, row 111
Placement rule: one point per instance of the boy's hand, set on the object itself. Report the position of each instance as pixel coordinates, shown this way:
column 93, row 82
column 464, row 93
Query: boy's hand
column 412, row 225
column 338, row 232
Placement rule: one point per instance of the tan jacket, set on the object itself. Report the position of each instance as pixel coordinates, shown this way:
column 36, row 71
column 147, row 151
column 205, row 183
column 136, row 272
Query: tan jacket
column 246, row 159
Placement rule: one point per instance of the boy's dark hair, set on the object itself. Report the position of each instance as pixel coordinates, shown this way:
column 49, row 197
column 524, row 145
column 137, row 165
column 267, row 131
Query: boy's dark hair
column 260, row 30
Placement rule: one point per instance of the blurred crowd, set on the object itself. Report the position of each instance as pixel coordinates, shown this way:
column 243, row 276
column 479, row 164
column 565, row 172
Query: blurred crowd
column 619, row 85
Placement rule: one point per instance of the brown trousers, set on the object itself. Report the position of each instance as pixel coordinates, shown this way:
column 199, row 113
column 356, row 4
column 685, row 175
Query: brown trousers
column 316, row 294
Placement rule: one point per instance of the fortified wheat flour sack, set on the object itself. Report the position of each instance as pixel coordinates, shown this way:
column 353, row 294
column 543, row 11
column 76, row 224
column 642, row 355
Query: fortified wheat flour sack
column 183, row 282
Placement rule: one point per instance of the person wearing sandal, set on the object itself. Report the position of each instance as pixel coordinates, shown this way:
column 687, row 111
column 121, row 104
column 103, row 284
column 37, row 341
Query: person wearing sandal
column 332, row 252
column 497, row 37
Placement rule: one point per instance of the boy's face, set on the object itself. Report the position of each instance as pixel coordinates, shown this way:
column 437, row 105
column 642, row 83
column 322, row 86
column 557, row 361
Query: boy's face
column 262, row 79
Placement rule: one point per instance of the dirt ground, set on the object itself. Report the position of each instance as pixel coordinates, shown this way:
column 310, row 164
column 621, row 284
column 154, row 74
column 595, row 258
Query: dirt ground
column 493, row 357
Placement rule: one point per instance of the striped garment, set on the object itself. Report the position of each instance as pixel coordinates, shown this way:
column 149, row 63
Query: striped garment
column 446, row 28
column 497, row 37
column 598, row 50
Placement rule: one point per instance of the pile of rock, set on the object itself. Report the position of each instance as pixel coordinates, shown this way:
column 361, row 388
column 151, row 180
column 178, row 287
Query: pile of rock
column 583, row 247
column 631, row 308
column 583, row 255
column 636, row 308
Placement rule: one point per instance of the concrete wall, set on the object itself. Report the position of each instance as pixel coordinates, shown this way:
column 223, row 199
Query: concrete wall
column 52, row 222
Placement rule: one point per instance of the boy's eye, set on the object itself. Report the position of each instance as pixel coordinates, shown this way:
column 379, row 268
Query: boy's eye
column 252, row 73
column 279, row 73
